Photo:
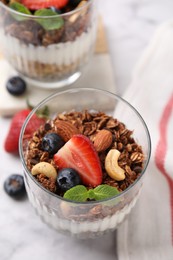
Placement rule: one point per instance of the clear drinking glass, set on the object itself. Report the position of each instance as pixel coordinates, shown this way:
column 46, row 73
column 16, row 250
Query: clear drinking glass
column 49, row 51
column 93, row 218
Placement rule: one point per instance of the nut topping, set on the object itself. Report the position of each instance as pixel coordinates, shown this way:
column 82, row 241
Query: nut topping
column 103, row 140
column 44, row 168
column 65, row 129
column 112, row 167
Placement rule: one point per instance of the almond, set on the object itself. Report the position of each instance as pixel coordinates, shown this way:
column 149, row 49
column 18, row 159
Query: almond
column 103, row 140
column 65, row 129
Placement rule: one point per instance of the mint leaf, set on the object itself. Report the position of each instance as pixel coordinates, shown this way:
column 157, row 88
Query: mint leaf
column 91, row 194
column 78, row 193
column 21, row 9
column 49, row 23
column 104, row 191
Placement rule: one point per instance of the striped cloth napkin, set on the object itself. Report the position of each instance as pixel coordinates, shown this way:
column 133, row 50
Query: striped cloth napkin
column 148, row 232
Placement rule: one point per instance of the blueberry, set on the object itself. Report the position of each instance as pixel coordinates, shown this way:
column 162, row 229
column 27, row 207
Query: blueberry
column 67, row 179
column 14, row 186
column 51, row 143
column 16, row 86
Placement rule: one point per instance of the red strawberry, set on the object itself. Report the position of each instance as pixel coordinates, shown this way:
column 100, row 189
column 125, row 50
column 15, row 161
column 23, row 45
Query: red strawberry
column 12, row 139
column 79, row 153
column 39, row 4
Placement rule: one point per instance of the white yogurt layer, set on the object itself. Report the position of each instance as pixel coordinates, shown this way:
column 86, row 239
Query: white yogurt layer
column 82, row 229
column 61, row 54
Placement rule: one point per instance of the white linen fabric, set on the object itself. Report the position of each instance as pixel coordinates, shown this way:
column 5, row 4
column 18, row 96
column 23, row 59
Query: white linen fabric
column 148, row 232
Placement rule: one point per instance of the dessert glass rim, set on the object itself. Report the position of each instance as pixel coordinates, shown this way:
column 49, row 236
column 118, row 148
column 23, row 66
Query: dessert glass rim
column 89, row 2
column 73, row 90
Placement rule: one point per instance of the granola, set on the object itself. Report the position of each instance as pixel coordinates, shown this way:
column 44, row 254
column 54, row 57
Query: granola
column 89, row 124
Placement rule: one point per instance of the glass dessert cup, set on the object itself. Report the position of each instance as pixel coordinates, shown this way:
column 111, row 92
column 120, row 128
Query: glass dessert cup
column 47, row 56
column 92, row 218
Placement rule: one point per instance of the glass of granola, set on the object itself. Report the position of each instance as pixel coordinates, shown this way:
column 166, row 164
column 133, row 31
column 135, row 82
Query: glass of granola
column 84, row 167
column 48, row 42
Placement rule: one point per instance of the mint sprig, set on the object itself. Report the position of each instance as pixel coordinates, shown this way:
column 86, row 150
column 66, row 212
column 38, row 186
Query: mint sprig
column 21, row 9
column 80, row 193
column 49, row 24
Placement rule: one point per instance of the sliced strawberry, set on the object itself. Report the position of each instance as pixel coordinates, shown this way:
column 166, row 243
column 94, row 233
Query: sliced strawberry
column 79, row 153
column 12, row 139
column 39, row 4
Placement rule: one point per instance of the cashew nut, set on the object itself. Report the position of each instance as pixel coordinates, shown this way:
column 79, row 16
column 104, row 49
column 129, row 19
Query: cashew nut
column 112, row 167
column 45, row 168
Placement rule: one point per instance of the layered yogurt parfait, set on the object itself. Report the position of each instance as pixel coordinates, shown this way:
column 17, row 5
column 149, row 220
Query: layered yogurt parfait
column 48, row 42
column 85, row 164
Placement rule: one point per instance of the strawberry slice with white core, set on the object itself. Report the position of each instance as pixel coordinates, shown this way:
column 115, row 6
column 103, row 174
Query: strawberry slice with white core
column 79, row 153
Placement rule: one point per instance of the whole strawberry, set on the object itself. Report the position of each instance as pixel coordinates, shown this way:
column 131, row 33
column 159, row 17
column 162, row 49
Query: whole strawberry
column 12, row 139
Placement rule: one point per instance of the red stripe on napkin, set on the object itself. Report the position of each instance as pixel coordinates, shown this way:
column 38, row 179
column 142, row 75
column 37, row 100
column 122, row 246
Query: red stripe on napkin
column 161, row 151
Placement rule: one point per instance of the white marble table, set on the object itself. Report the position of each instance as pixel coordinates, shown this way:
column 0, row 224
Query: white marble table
column 130, row 25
